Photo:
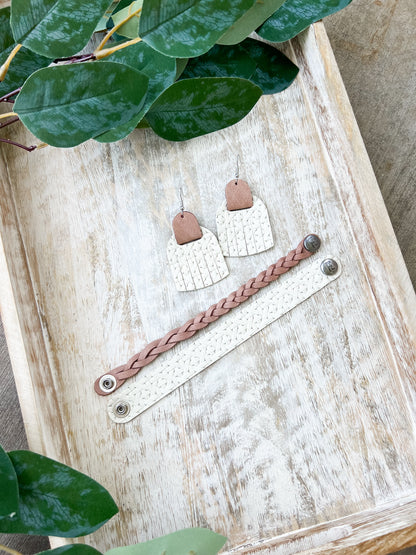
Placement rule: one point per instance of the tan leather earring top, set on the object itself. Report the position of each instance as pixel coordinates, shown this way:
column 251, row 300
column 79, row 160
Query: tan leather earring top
column 238, row 195
column 186, row 228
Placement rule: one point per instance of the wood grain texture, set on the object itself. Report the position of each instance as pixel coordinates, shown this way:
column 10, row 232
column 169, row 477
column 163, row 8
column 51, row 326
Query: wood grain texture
column 308, row 422
column 375, row 48
column 12, row 436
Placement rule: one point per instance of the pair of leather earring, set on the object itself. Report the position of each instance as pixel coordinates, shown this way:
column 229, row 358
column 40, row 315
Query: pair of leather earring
column 195, row 255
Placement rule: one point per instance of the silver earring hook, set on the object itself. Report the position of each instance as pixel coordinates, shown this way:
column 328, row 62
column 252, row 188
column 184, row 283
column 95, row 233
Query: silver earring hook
column 181, row 207
column 237, row 169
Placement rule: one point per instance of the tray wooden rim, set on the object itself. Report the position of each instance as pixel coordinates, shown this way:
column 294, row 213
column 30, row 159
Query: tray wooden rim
column 23, row 321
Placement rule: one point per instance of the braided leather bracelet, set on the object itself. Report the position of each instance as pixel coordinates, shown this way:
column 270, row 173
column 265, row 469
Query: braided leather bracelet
column 115, row 378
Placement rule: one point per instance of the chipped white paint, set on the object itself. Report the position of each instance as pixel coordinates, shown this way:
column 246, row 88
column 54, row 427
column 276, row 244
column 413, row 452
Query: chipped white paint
column 309, row 421
column 188, row 359
column 244, row 232
column 196, row 264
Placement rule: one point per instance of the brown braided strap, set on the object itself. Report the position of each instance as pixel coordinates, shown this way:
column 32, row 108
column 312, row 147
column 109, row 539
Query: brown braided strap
column 202, row 320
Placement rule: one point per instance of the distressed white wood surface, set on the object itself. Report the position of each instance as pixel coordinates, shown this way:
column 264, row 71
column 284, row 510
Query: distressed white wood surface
column 311, row 420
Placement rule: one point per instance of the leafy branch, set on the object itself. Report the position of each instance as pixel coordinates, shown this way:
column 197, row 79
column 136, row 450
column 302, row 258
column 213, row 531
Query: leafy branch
column 45, row 497
column 159, row 64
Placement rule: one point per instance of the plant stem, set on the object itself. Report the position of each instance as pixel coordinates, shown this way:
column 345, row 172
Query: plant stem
column 28, row 149
column 69, row 58
column 6, row 123
column 75, row 59
column 4, row 68
column 98, row 54
column 116, row 27
column 8, row 115
column 9, row 550
column 6, row 97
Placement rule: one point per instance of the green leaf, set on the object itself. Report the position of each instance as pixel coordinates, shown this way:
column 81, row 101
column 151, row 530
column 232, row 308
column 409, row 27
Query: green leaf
column 106, row 22
column 194, row 107
column 195, row 541
column 187, row 28
column 130, row 29
column 56, row 500
column 274, row 71
column 121, row 5
column 68, row 104
column 143, row 124
column 102, row 24
column 6, row 36
column 72, row 549
column 9, row 498
column 221, row 61
column 254, row 17
column 55, row 28
column 24, row 63
column 295, row 15
column 161, row 71
column 181, row 64
column 256, row 61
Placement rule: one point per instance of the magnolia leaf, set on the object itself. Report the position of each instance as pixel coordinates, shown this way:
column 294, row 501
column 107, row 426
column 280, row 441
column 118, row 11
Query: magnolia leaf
column 194, row 107
column 198, row 541
column 6, row 35
column 221, row 61
column 256, row 61
column 161, row 71
column 181, row 64
column 24, row 63
column 9, row 498
column 56, row 500
column 187, row 28
column 254, row 17
column 72, row 549
column 295, row 15
column 274, row 71
column 143, row 124
column 106, row 21
column 130, row 29
column 102, row 24
column 121, row 5
column 68, row 104
column 55, row 28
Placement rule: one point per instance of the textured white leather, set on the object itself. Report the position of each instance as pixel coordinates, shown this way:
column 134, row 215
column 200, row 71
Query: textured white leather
column 188, row 358
column 196, row 264
column 244, row 232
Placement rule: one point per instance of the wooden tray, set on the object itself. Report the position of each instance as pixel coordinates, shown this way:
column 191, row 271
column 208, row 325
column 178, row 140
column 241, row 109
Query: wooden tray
column 300, row 440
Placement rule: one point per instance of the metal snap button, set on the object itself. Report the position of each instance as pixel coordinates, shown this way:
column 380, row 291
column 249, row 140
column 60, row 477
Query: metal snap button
column 122, row 408
column 107, row 383
column 329, row 267
column 312, row 243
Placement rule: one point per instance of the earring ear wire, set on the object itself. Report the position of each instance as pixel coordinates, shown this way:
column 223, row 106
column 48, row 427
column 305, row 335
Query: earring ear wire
column 181, row 206
column 237, row 169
